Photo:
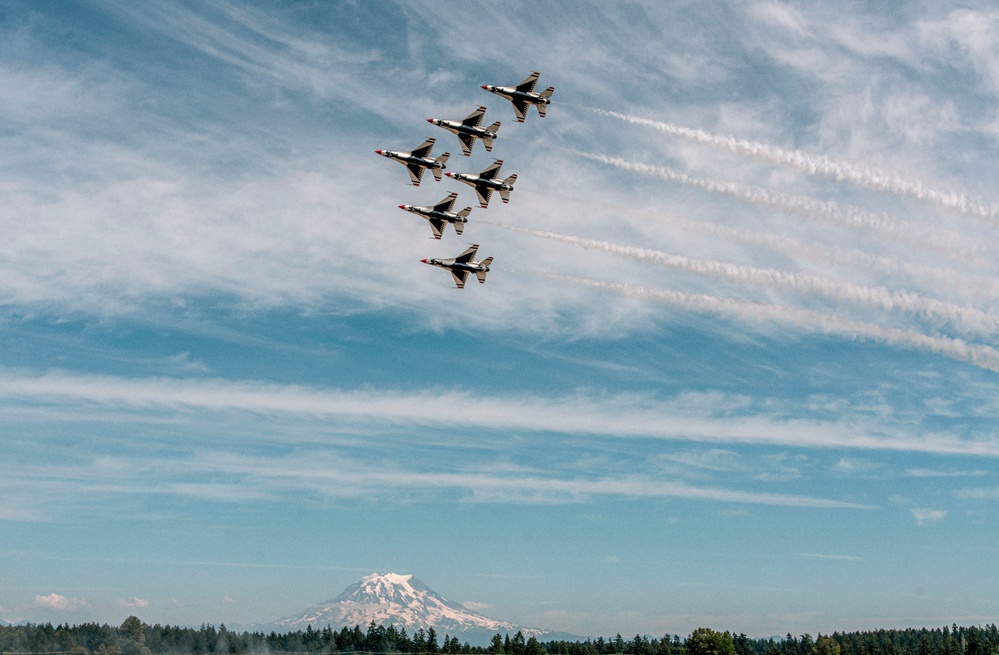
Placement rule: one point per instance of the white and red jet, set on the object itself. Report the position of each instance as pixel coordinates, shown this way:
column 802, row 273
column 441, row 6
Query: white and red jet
column 486, row 182
column 462, row 265
column 468, row 130
column 440, row 215
column 522, row 96
column 419, row 160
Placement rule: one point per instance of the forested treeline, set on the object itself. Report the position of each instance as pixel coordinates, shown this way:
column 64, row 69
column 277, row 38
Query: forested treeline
column 133, row 637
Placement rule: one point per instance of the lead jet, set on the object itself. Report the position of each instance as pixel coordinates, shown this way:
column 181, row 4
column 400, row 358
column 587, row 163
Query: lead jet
column 419, row 160
column 522, row 96
column 440, row 215
column 486, row 182
column 468, row 130
column 462, row 265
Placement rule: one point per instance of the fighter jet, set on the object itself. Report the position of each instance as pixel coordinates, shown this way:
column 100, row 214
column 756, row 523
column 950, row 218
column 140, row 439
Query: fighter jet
column 419, row 160
column 468, row 130
column 462, row 265
column 440, row 215
column 522, row 96
column 486, row 182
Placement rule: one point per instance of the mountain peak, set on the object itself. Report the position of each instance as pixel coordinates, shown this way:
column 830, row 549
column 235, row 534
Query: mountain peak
column 403, row 601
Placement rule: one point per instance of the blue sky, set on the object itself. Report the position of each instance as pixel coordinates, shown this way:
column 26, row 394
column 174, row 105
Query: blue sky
column 735, row 364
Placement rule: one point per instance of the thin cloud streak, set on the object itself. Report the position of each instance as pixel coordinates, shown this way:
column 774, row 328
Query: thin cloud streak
column 263, row 47
column 340, row 477
column 256, row 479
column 623, row 415
column 859, row 174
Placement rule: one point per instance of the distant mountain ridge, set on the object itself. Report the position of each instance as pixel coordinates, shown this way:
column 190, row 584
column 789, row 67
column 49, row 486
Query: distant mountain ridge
column 404, row 602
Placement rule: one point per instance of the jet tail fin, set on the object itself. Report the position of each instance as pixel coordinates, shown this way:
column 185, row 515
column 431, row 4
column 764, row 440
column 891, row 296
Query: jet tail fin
column 482, row 274
column 465, row 212
column 437, row 174
column 458, row 228
column 547, row 93
column 487, row 142
column 443, row 158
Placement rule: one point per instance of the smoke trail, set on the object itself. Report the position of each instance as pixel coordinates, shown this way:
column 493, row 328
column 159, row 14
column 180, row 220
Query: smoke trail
column 800, row 283
column 848, row 216
column 861, row 175
column 810, row 250
column 984, row 357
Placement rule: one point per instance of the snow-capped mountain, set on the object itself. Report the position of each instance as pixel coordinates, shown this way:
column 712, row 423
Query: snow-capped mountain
column 405, row 602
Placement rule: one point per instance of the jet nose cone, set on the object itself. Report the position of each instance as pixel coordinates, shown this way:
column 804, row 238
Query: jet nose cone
column 430, row 120
column 486, row 87
column 378, row 152
column 402, row 206
column 449, row 174
column 424, row 261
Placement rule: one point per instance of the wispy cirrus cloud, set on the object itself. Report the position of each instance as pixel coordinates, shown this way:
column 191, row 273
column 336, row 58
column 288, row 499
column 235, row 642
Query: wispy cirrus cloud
column 978, row 493
column 842, row 558
column 689, row 417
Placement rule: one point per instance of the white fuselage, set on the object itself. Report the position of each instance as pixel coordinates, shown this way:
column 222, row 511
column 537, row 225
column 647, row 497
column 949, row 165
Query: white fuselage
column 430, row 212
column 408, row 158
column 460, row 128
column 511, row 93
column 452, row 265
column 475, row 180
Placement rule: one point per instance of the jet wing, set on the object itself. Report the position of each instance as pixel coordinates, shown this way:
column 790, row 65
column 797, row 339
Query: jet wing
column 415, row 173
column 467, row 256
column 459, row 278
column 475, row 118
column 423, row 150
column 484, row 193
column 527, row 86
column 467, row 141
column 446, row 204
column 492, row 170
column 520, row 108
column 437, row 226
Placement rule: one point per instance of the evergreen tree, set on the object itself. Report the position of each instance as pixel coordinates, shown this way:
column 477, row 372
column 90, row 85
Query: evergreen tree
column 705, row 641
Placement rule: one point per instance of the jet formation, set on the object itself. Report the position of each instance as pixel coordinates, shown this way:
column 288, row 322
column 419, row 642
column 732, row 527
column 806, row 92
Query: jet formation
column 468, row 130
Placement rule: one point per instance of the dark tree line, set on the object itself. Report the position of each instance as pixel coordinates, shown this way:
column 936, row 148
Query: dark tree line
column 133, row 637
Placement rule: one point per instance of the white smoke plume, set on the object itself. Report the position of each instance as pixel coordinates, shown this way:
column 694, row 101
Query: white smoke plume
column 826, row 210
column 801, row 283
column 862, row 175
column 830, row 255
column 813, row 251
column 982, row 356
